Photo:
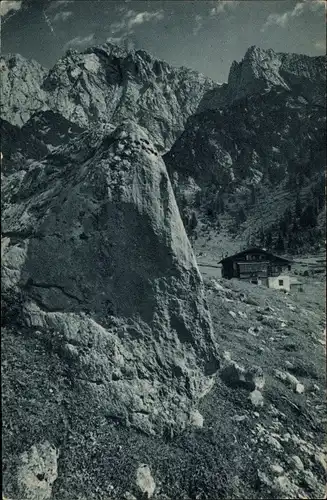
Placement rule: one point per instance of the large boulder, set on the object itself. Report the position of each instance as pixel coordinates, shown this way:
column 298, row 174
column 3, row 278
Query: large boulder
column 97, row 265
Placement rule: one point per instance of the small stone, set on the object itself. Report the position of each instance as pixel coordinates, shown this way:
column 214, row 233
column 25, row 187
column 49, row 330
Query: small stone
column 291, row 380
column 264, row 478
column 320, row 458
column 232, row 313
column 297, row 462
column 227, row 356
column 239, row 418
column 256, row 398
column 39, row 460
column 286, row 437
column 277, row 469
column 252, row 331
column 196, row 419
column 129, row 496
column 303, row 496
column 287, row 378
column 242, row 314
column 217, row 286
column 310, row 480
column 256, row 414
column 274, row 443
column 285, row 487
column 145, row 481
column 299, row 388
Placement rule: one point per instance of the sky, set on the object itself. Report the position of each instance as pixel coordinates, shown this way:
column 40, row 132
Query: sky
column 203, row 35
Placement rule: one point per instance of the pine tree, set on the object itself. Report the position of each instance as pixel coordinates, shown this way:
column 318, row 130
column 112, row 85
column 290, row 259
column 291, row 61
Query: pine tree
column 253, row 196
column 288, row 217
column 295, row 227
column 298, row 207
column 221, row 205
column 269, row 239
column 308, row 217
column 241, row 215
column 283, row 226
column 280, row 244
column 262, row 237
column 193, row 222
column 300, row 179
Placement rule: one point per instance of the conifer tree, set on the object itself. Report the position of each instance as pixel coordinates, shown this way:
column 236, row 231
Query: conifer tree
column 298, row 207
column 269, row 239
column 280, row 244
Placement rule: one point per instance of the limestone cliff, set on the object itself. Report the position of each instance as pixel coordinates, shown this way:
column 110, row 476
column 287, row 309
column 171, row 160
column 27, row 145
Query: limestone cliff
column 104, row 84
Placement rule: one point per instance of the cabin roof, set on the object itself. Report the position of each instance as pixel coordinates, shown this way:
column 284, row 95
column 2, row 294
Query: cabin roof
column 295, row 281
column 254, row 250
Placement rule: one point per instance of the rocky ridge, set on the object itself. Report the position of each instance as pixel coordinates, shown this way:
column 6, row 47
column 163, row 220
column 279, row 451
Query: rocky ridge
column 262, row 70
column 255, row 145
column 104, row 84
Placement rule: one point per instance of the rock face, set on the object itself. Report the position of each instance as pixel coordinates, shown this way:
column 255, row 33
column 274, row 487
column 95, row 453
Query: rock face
column 255, row 142
column 40, row 135
column 21, row 93
column 105, row 84
column 98, row 254
column 37, row 472
column 261, row 70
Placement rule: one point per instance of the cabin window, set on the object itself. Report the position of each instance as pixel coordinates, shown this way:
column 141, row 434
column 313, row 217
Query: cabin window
column 281, row 282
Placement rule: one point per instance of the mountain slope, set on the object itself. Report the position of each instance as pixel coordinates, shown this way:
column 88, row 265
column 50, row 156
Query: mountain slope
column 258, row 138
column 105, row 84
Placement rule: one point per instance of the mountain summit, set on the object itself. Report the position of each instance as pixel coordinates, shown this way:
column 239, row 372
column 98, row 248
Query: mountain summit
column 104, row 84
column 261, row 71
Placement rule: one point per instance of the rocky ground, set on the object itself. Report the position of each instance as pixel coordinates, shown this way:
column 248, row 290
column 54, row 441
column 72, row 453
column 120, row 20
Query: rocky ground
column 258, row 434
column 282, row 425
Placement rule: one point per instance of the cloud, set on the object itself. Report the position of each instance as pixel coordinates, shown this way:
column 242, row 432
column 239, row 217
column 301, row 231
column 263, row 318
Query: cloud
column 218, row 7
column 143, row 17
column 7, row 6
column 62, row 16
column 132, row 18
column 57, row 4
column 116, row 40
column 79, row 42
column 198, row 24
column 282, row 20
column 222, row 6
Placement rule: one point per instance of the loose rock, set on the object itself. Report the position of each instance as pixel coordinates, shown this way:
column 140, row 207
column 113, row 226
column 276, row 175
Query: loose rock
column 145, row 481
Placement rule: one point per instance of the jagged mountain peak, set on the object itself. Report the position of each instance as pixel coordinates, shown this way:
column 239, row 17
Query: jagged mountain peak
column 103, row 84
column 264, row 70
